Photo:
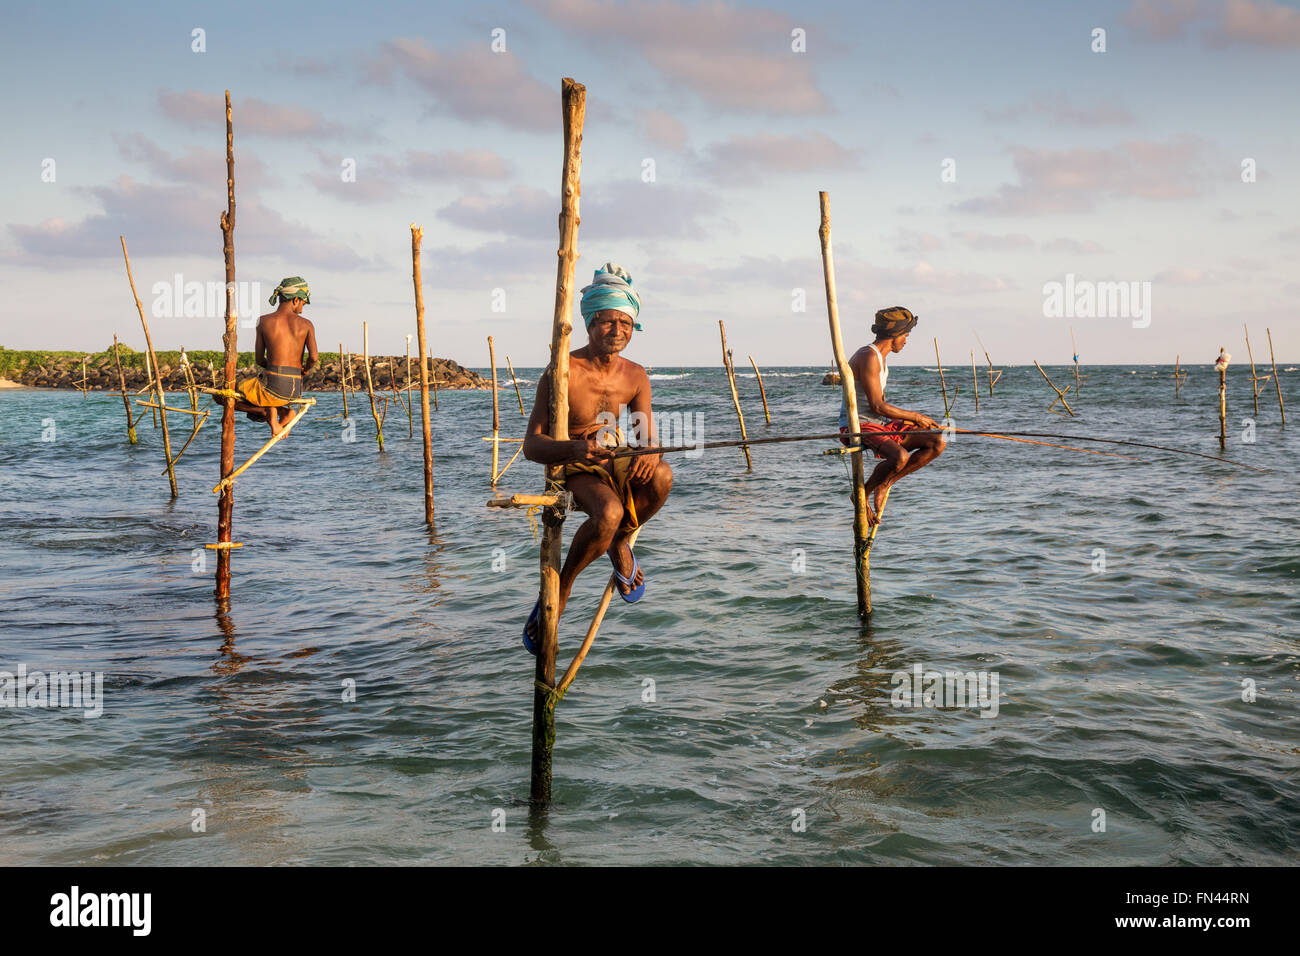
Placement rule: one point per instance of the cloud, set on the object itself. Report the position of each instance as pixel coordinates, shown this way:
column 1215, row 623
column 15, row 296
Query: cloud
column 1162, row 19
column 988, row 242
column 472, row 84
column 750, row 159
column 1264, row 24
column 1061, row 112
column 251, row 115
column 630, row 211
column 1076, row 180
column 736, row 58
column 663, row 129
column 909, row 242
column 385, row 178
column 1084, row 247
column 1183, row 276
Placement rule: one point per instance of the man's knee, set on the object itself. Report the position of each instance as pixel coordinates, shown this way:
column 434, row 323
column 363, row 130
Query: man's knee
column 662, row 481
column 900, row 460
column 607, row 519
column 938, row 444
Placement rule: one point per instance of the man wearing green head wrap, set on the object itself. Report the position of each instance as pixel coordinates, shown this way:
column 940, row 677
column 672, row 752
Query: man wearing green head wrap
column 618, row 494
column 282, row 336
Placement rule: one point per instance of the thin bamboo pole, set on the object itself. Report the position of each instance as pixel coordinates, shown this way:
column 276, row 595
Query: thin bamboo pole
column 942, row 383
column 596, row 620
column 148, row 373
column 370, row 385
column 990, row 361
column 496, row 415
column 1254, row 379
column 762, row 392
column 417, row 236
column 1075, row 349
column 198, row 423
column 735, row 395
column 126, row 402
column 406, row 391
column 226, row 503
column 157, row 376
column 1222, row 366
column 976, row 379
column 861, row 521
column 343, row 379
column 574, row 106
column 275, row 439
column 1060, row 395
column 518, row 395
column 1179, row 377
column 1277, row 382
column 434, row 378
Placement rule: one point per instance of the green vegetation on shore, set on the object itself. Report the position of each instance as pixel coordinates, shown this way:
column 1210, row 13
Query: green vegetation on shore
column 13, row 360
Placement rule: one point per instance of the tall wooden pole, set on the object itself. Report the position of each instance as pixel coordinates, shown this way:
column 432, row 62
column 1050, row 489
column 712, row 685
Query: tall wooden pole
column 130, row 419
column 861, row 522
column 496, row 414
column 1076, row 363
column 410, row 415
column 762, row 392
column 1254, row 386
column 157, row 375
column 518, row 394
column 942, row 384
column 417, row 235
column 735, row 396
column 1277, row 382
column 1178, row 381
column 370, row 385
column 990, row 361
column 226, row 503
column 343, row 380
column 976, row 379
column 574, row 108
column 1223, row 403
column 148, row 373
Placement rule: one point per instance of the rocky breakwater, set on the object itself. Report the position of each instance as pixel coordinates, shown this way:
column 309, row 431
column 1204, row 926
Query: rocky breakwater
column 65, row 370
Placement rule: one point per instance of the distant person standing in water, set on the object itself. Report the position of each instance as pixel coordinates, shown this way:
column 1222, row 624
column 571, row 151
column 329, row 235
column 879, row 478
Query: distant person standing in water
column 282, row 336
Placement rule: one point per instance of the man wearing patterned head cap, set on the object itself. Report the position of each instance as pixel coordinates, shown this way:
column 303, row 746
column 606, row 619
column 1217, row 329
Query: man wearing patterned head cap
column 282, row 336
column 618, row 494
column 882, row 424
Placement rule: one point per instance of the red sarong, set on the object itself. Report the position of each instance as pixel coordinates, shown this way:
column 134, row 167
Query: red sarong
column 870, row 429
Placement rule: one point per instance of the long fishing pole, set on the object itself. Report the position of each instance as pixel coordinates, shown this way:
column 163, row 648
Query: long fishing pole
column 1009, row 436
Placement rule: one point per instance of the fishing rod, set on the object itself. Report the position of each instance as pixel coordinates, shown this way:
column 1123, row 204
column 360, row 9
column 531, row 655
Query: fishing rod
column 1008, row 436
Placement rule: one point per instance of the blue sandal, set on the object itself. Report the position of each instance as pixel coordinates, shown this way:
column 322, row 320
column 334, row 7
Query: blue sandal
column 535, row 616
column 638, row 592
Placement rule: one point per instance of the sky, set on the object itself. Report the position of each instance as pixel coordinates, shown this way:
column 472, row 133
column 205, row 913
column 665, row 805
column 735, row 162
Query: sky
column 974, row 154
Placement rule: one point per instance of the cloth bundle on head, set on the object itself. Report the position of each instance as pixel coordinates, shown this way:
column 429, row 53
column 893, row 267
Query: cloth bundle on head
column 294, row 287
column 611, row 288
column 893, row 321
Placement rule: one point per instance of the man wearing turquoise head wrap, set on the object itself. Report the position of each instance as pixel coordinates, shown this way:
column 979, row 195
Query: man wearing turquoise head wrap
column 618, row 494
column 282, row 336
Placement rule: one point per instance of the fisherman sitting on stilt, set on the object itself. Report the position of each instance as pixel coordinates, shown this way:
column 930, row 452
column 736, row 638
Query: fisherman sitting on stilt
column 618, row 494
column 881, row 422
column 281, row 337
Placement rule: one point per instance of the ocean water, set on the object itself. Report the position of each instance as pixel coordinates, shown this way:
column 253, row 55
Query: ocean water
column 740, row 714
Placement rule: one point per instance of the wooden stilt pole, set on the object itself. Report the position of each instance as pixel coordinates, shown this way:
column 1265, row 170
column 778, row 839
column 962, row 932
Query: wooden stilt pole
column 992, row 380
column 279, row 436
column 596, row 620
column 148, row 373
column 942, row 384
column 1179, row 377
column 1277, row 382
column 1076, row 362
column 370, row 385
column 226, row 503
column 496, row 414
column 762, row 392
column 735, row 395
column 157, row 375
column 1060, row 395
column 1222, row 366
column 861, row 521
column 410, row 417
column 1254, row 387
column 417, row 236
column 121, row 378
column 574, row 99
column 435, row 379
column 518, row 395
column 976, row 379
column 343, row 379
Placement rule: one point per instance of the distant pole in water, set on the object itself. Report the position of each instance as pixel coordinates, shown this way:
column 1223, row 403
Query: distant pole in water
column 976, row 379
column 1221, row 364
column 574, row 108
column 517, row 393
column 942, row 384
column 762, row 392
column 1076, row 362
column 861, row 523
column 1060, row 395
column 343, row 380
column 226, row 503
column 1179, row 377
column 1277, row 382
column 417, row 236
column 121, row 378
column 148, row 373
column 496, row 414
column 735, row 395
column 370, row 385
column 410, row 417
column 992, row 379
column 157, row 375
column 1254, row 378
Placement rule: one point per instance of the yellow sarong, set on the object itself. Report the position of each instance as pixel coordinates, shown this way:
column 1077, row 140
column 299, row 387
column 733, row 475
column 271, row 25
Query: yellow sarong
column 614, row 473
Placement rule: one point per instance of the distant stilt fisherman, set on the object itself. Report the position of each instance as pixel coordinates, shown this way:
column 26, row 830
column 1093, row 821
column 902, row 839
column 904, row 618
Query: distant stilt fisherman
column 900, row 454
column 282, row 336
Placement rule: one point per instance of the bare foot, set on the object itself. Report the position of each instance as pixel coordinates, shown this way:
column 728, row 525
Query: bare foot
column 872, row 518
column 879, row 500
column 274, row 420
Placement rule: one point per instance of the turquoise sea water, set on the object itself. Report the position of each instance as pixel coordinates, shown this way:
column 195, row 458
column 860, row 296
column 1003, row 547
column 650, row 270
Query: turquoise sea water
column 770, row 735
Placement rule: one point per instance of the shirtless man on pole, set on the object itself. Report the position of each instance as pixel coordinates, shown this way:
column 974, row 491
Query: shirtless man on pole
column 618, row 494
column 282, row 336
column 901, row 454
